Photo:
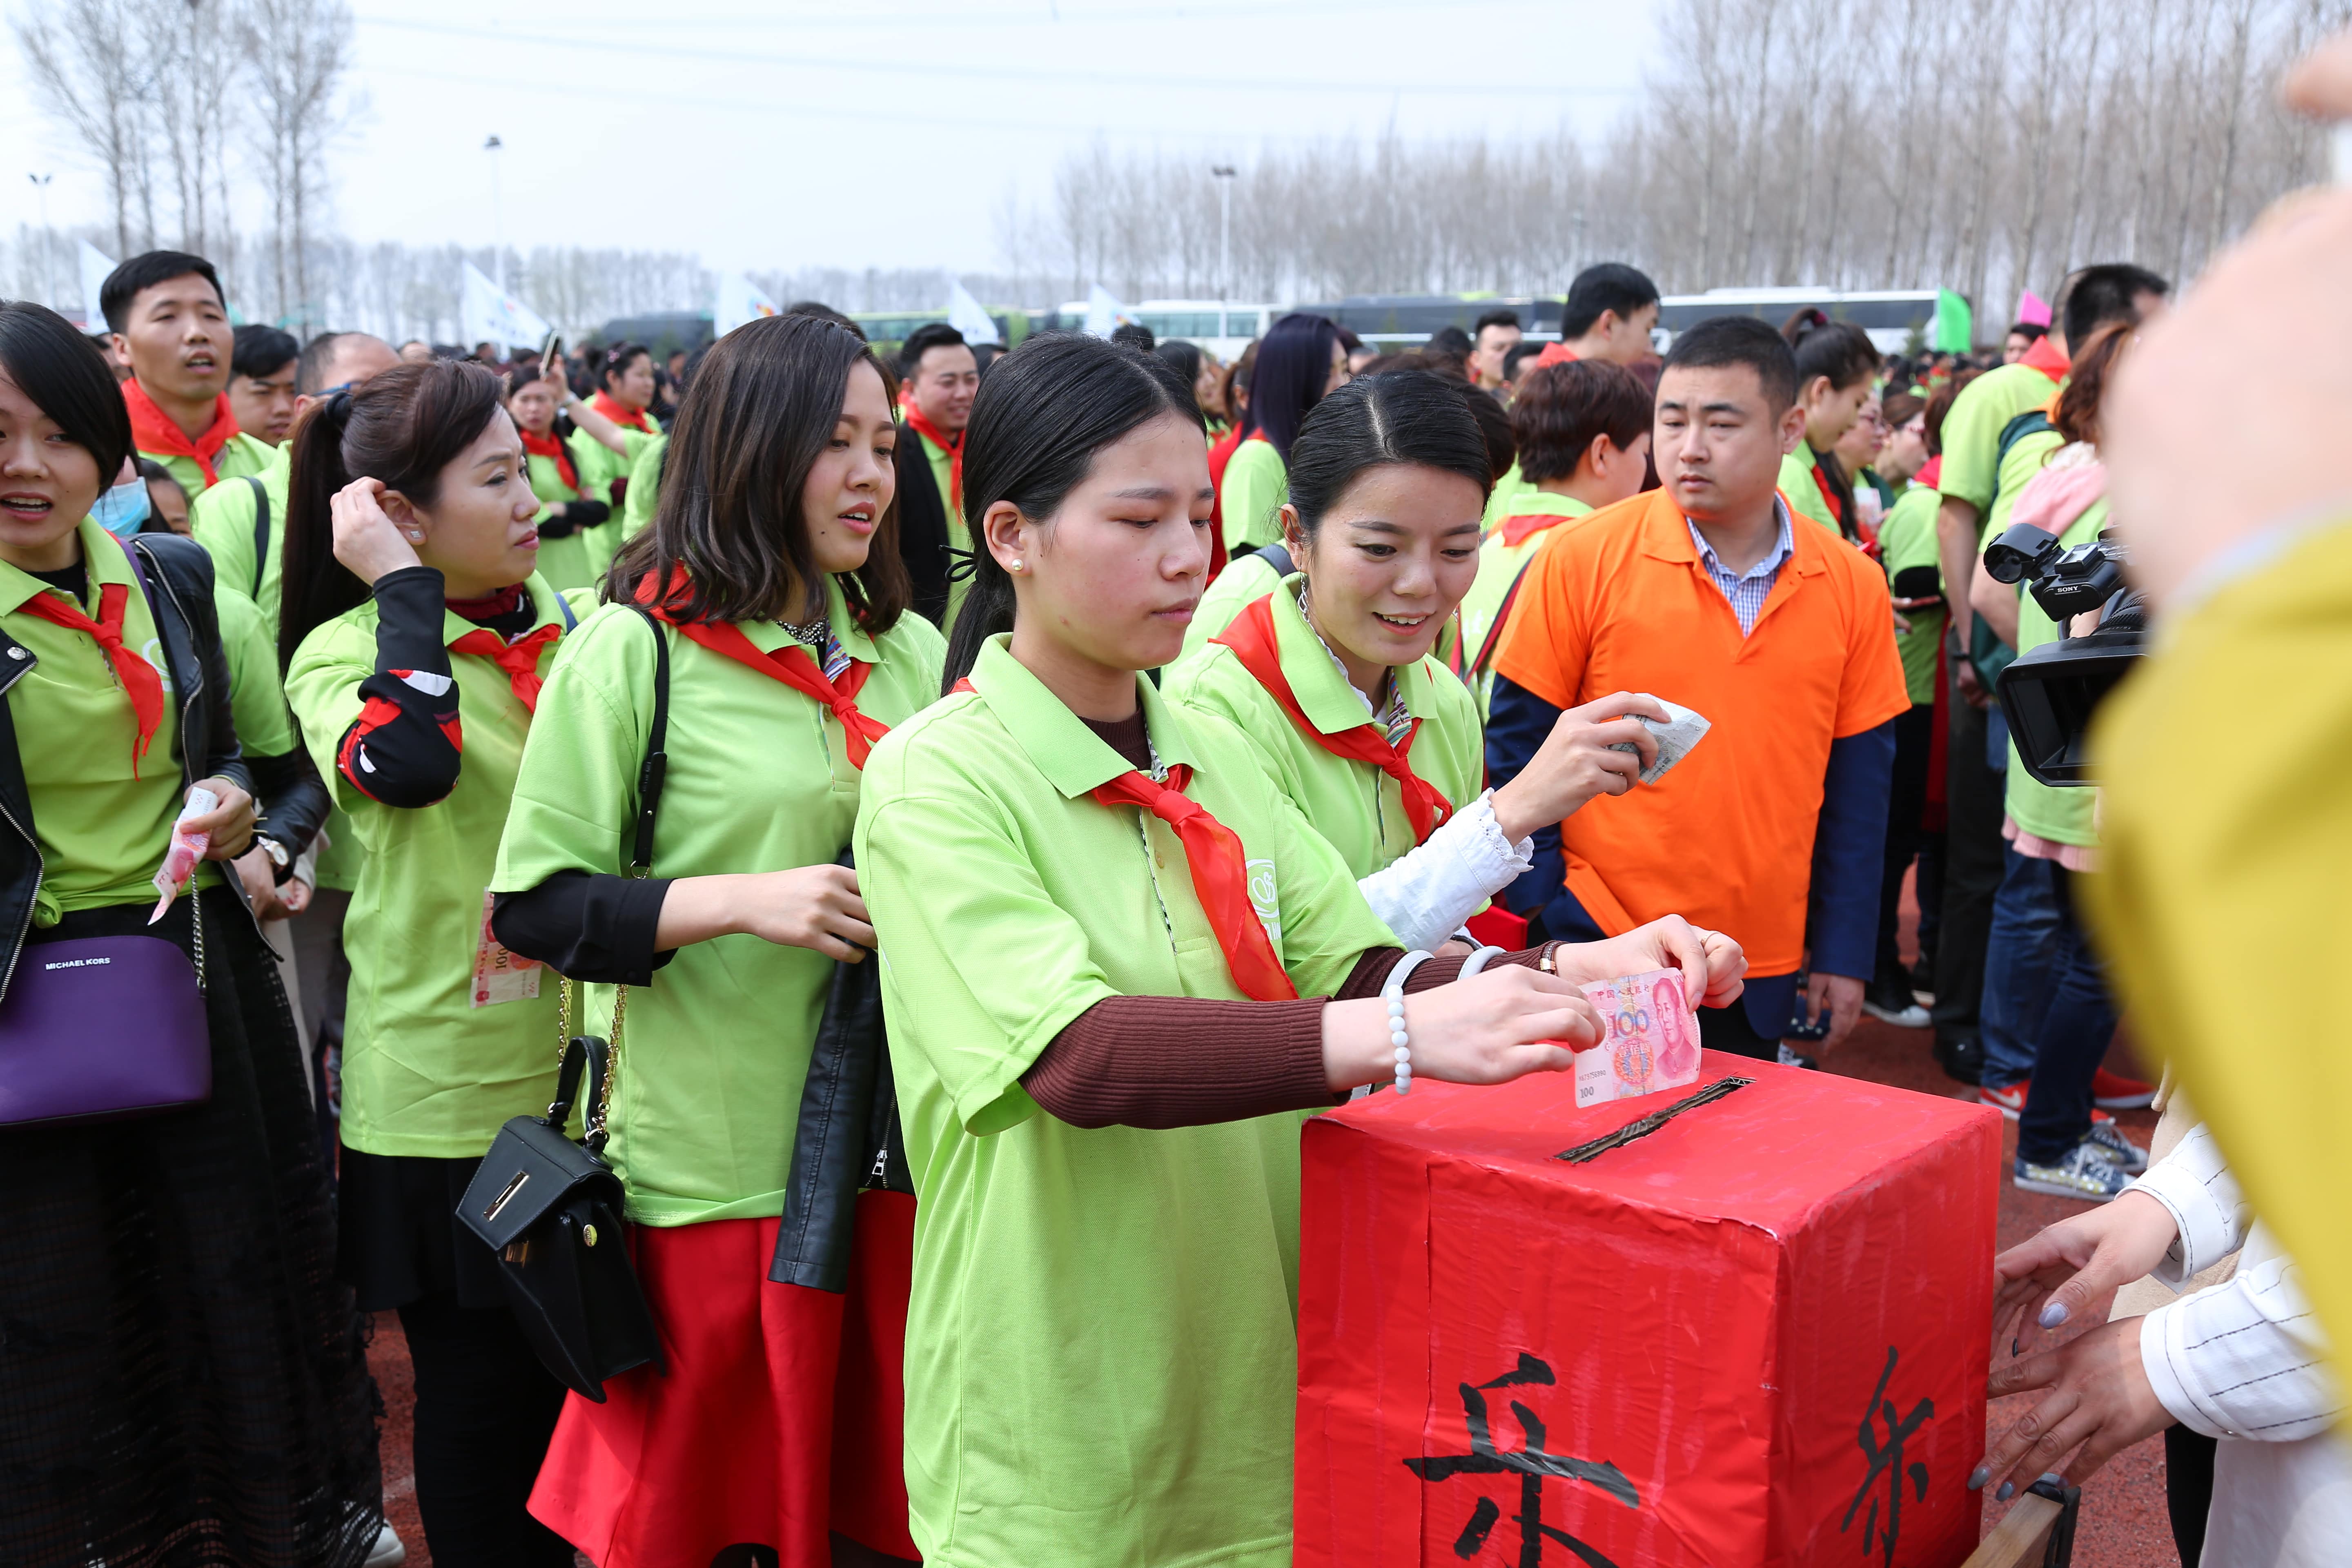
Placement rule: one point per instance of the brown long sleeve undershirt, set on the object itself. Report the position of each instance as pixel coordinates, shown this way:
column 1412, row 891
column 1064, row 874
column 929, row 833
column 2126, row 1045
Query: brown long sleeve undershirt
column 1187, row 1061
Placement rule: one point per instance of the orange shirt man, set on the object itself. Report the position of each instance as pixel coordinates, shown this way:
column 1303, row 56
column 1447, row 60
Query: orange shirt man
column 1702, row 593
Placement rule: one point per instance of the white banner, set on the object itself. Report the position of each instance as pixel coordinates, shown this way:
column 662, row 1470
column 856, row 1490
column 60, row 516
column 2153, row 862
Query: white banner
column 95, row 265
column 1103, row 313
column 491, row 315
column 739, row 300
column 969, row 317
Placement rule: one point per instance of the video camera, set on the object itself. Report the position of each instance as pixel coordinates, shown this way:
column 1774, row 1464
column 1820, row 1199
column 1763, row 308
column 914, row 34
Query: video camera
column 2049, row 694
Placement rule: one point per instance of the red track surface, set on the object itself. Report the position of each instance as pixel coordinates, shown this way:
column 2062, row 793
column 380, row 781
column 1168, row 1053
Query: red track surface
column 2123, row 1523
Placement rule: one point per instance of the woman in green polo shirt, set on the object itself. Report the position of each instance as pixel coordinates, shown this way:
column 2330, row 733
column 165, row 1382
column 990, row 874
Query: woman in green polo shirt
column 570, row 518
column 179, row 1364
column 1299, row 363
column 1096, row 1013
column 1332, row 677
column 773, row 571
column 417, row 634
column 1836, row 368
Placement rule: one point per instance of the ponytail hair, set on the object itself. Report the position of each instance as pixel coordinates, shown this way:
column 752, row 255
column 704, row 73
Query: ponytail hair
column 404, row 428
column 1042, row 411
column 1293, row 366
column 1839, row 350
column 1408, row 416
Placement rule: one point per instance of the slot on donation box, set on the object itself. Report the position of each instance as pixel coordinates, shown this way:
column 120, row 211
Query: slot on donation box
column 1732, row 1324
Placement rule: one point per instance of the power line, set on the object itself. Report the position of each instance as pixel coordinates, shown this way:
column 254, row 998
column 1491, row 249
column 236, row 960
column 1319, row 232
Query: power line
column 1063, row 77
column 868, row 21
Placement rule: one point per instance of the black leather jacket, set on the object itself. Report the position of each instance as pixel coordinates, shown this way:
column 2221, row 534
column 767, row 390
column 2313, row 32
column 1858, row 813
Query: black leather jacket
column 179, row 578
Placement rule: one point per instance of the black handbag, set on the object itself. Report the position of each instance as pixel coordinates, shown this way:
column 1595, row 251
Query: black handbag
column 846, row 1139
column 551, row 1208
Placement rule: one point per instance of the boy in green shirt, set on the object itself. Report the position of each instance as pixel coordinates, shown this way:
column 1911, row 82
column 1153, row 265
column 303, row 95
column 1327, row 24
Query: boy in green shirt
column 170, row 323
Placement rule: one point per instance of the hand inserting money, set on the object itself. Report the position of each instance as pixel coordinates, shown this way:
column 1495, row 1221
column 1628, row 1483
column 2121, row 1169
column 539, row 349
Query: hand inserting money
column 1652, row 1040
column 1676, row 734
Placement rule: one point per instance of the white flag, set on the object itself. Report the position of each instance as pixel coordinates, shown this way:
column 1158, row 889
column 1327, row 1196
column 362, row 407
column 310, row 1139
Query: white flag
column 969, row 317
column 1103, row 312
column 95, row 266
column 740, row 300
column 491, row 315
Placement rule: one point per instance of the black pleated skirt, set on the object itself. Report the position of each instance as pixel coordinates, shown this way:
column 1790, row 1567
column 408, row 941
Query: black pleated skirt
column 183, row 1379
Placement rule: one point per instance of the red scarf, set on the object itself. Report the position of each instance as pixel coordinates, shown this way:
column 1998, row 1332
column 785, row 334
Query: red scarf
column 923, row 426
column 1829, row 496
column 627, row 418
column 518, row 659
column 1557, row 353
column 2048, row 358
column 140, row 681
column 1251, row 636
column 1516, row 530
column 790, row 664
column 1931, row 473
column 152, row 430
column 1220, row 875
column 548, row 445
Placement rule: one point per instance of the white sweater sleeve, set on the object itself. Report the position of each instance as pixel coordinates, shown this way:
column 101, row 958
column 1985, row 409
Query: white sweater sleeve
column 2244, row 1359
column 2194, row 1183
column 1425, row 894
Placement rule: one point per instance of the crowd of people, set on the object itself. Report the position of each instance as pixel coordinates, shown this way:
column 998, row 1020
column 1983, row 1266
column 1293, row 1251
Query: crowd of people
column 1162, row 748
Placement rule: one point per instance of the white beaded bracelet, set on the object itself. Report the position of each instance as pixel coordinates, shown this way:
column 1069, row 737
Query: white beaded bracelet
column 1392, row 993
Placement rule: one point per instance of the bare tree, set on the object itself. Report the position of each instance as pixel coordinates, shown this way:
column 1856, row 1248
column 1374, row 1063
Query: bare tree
column 296, row 52
column 84, row 55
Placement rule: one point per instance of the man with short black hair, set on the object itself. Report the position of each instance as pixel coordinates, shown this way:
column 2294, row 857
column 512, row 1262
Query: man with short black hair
column 1995, row 439
column 1497, row 333
column 938, row 377
column 2023, row 336
column 261, row 382
column 1135, row 335
column 1608, row 313
column 170, row 324
column 1518, row 363
column 1701, row 592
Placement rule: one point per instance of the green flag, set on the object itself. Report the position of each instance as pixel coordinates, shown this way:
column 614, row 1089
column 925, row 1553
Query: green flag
column 1955, row 325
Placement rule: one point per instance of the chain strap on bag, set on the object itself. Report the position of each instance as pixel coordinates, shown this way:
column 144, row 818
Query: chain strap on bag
column 549, row 1207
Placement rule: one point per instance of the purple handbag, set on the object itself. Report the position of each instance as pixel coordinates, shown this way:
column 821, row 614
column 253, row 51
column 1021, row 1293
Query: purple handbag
column 104, row 1027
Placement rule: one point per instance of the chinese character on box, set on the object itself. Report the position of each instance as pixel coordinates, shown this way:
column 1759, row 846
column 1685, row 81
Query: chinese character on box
column 1757, row 1333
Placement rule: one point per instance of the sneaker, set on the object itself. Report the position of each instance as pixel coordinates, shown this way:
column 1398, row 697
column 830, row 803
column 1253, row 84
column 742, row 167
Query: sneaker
column 1794, row 1059
column 2108, row 1138
column 1962, row 1060
column 2009, row 1099
column 2086, row 1173
column 1910, row 1016
column 388, row 1551
column 2116, row 1092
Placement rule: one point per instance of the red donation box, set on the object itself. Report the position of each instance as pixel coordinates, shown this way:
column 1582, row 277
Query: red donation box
column 1758, row 1335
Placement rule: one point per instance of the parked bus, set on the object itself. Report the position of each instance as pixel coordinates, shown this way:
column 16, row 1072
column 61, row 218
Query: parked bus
column 1895, row 318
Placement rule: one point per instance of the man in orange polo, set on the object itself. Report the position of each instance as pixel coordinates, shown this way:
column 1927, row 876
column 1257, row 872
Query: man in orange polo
column 1702, row 593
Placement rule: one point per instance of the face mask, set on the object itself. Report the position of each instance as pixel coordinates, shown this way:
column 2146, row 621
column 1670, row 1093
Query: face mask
column 122, row 509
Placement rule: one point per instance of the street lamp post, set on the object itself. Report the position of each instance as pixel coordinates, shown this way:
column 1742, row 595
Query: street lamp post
column 497, row 221
column 1225, row 174
column 48, row 240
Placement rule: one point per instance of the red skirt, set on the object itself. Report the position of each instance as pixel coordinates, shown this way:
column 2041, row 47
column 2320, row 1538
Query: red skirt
column 778, row 1420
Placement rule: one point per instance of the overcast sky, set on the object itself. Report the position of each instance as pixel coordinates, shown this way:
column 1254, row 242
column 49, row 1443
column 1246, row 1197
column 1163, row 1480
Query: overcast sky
column 802, row 134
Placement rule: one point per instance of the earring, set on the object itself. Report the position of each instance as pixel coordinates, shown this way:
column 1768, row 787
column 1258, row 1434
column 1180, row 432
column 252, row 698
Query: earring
column 1016, row 563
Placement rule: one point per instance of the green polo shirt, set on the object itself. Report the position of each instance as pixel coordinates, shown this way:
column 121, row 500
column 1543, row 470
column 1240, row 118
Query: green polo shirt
column 599, row 465
column 222, row 520
column 643, row 498
column 1907, row 539
column 716, row 1048
column 426, row 1072
column 1502, row 500
column 256, row 697
column 1246, row 577
column 1803, row 489
column 1354, row 805
column 1499, row 565
column 101, row 829
column 240, row 455
column 2063, row 815
column 1251, row 498
column 1971, row 441
column 1101, row 1340
column 563, row 562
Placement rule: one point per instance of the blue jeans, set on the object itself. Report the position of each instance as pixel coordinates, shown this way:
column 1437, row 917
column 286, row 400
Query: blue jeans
column 2023, row 956
column 2070, row 1043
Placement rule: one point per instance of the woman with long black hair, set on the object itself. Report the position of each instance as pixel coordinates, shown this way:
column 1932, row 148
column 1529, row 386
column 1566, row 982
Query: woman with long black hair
column 1836, row 369
column 417, row 632
column 1299, row 363
column 1108, row 946
column 182, row 1378
column 771, row 575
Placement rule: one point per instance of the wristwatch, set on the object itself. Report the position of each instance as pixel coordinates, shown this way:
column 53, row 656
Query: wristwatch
column 280, row 858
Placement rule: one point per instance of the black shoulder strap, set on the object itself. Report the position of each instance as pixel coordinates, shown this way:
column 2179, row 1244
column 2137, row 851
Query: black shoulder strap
column 260, row 530
column 656, row 763
column 2032, row 422
column 1276, row 556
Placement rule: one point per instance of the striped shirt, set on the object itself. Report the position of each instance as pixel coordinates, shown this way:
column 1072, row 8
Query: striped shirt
column 1747, row 590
